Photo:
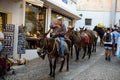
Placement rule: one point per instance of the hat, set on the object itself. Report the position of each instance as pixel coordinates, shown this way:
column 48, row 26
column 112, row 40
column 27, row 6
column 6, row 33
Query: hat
column 70, row 27
column 59, row 18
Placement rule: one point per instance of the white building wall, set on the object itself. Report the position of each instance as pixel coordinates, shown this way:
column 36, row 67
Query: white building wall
column 15, row 8
column 97, row 17
column 117, row 18
column 70, row 7
column 94, row 5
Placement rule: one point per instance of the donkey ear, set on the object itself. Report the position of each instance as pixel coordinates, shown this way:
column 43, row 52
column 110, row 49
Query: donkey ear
column 47, row 33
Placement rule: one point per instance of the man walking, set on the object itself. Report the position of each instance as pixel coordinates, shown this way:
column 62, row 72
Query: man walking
column 108, row 41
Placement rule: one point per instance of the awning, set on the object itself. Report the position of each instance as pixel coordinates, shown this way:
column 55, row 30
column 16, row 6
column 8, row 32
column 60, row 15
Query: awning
column 36, row 2
column 61, row 9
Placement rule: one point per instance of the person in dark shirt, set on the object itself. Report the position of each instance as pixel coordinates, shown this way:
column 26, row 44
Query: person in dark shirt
column 58, row 32
column 108, row 44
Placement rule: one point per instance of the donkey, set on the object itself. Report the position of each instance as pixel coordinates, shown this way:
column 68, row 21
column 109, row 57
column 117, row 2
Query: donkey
column 75, row 40
column 49, row 46
column 88, row 41
column 100, row 31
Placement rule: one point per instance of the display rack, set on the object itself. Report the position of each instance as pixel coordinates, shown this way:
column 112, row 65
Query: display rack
column 8, row 39
column 21, row 40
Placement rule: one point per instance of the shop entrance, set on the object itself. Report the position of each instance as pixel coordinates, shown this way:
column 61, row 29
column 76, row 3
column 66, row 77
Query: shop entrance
column 35, row 24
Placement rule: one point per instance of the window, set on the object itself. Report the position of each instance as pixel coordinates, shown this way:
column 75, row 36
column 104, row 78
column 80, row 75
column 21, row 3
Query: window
column 88, row 22
column 34, row 22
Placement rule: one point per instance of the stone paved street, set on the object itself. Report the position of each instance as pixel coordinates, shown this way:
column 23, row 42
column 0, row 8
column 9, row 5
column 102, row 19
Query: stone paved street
column 94, row 69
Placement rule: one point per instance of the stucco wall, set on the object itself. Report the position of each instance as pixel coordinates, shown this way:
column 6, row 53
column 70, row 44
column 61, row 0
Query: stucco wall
column 118, row 5
column 97, row 17
column 14, row 8
column 70, row 7
column 95, row 5
column 117, row 18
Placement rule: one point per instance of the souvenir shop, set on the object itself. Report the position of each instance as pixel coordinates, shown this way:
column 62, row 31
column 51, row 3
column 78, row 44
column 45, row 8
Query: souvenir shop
column 35, row 23
column 21, row 24
column 11, row 18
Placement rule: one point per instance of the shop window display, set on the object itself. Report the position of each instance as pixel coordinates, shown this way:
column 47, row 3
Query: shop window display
column 35, row 23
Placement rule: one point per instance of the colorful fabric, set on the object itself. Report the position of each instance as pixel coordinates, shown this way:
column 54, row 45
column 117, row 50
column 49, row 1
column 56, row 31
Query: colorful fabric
column 86, row 39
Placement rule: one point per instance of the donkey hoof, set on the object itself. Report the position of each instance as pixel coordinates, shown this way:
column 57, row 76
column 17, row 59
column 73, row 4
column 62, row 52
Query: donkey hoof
column 53, row 75
column 83, row 57
column 50, row 74
column 76, row 60
column 88, row 57
column 67, row 69
column 60, row 70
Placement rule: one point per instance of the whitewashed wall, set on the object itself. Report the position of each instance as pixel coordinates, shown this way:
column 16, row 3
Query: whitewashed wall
column 118, row 5
column 97, row 17
column 16, row 9
column 117, row 18
column 13, row 7
column 70, row 7
column 95, row 5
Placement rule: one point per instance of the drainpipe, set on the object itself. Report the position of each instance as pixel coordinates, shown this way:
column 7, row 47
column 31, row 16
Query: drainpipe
column 113, row 12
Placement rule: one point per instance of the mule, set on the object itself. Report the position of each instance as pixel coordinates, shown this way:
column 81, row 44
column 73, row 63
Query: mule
column 75, row 40
column 88, row 42
column 49, row 46
column 100, row 31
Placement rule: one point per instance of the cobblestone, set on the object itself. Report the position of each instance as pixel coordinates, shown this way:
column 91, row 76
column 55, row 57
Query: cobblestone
column 95, row 68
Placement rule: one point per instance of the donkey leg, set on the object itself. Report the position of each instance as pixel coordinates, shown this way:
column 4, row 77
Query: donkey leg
column 93, row 47
column 72, row 51
column 50, row 64
column 84, row 48
column 68, row 62
column 89, row 52
column 62, row 64
column 77, row 53
column 54, row 67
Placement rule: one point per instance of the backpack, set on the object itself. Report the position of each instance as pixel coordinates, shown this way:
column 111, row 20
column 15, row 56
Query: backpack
column 107, row 37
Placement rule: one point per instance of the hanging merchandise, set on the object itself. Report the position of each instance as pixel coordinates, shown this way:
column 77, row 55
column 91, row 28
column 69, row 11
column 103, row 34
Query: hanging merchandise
column 21, row 40
column 8, row 39
column 1, row 23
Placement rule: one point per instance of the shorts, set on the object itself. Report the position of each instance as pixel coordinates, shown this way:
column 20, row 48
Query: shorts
column 108, row 46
